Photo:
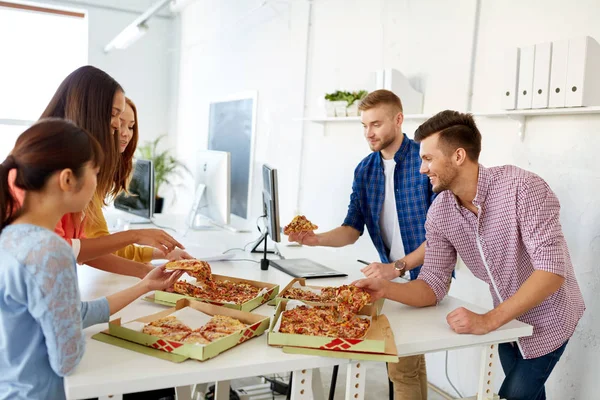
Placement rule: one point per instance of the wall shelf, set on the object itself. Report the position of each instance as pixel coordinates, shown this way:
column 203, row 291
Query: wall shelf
column 322, row 120
column 517, row 115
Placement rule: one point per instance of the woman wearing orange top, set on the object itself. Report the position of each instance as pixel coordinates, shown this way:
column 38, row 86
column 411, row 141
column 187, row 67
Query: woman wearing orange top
column 95, row 101
column 128, row 139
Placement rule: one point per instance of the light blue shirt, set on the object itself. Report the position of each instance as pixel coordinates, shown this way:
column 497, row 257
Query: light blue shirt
column 41, row 314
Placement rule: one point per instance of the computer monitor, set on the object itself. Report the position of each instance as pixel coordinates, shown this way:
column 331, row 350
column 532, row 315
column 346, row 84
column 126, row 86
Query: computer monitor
column 270, row 197
column 301, row 268
column 212, row 200
column 140, row 199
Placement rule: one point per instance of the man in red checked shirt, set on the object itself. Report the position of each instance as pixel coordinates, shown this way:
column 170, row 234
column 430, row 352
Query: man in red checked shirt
column 504, row 223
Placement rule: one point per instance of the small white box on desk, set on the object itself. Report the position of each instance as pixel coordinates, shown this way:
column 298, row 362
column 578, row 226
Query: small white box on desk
column 558, row 73
column 583, row 77
column 541, row 75
column 511, row 77
column 526, row 63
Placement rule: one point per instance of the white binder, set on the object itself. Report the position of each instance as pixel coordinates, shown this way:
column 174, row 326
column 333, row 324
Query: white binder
column 583, row 83
column 526, row 63
column 511, row 77
column 541, row 75
column 558, row 73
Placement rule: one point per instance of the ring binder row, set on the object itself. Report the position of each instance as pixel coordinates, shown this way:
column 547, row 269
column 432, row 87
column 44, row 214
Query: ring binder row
column 553, row 74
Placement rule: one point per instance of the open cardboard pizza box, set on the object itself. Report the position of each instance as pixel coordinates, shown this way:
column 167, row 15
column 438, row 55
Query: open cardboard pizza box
column 300, row 283
column 378, row 343
column 129, row 335
column 267, row 293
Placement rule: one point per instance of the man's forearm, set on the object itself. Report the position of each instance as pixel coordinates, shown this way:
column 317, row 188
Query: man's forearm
column 537, row 288
column 416, row 258
column 118, row 265
column 96, row 247
column 416, row 293
column 338, row 237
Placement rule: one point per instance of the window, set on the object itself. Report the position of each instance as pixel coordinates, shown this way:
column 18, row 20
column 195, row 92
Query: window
column 40, row 45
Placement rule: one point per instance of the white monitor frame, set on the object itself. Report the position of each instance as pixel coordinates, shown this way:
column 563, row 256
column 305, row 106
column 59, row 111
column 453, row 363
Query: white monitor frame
column 213, row 191
column 252, row 95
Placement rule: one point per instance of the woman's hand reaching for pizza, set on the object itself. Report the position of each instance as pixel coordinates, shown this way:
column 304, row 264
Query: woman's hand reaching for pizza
column 308, row 238
column 160, row 279
column 156, row 238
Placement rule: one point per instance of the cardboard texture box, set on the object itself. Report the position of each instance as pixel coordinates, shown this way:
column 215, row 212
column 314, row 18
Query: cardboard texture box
column 168, row 298
column 122, row 336
column 369, row 309
column 377, row 345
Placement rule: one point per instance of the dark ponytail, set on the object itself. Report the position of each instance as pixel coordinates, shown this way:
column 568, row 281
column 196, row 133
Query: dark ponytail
column 49, row 146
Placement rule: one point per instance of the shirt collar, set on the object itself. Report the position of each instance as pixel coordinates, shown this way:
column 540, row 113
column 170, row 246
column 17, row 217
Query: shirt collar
column 483, row 183
column 402, row 151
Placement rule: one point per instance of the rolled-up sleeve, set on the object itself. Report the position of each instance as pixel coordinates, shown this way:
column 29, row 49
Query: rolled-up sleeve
column 440, row 259
column 538, row 211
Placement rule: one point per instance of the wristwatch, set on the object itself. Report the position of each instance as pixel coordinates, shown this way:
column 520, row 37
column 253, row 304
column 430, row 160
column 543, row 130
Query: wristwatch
column 400, row 266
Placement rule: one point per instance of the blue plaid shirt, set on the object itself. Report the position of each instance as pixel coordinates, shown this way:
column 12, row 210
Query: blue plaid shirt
column 413, row 198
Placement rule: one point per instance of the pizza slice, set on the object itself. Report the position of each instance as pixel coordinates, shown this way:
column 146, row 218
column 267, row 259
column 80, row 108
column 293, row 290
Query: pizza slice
column 351, row 299
column 196, row 268
column 170, row 322
column 299, row 294
column 167, row 333
column 299, row 224
column 196, row 337
column 220, row 326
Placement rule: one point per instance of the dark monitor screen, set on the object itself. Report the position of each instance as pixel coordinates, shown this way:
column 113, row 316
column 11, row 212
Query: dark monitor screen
column 140, row 200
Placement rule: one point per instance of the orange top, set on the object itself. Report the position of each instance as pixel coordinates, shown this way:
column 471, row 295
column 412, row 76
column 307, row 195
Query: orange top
column 70, row 226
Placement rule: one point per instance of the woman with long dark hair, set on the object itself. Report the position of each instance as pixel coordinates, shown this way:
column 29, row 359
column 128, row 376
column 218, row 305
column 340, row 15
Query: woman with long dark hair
column 41, row 314
column 94, row 101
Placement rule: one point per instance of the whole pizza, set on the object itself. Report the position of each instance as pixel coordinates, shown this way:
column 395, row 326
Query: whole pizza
column 172, row 329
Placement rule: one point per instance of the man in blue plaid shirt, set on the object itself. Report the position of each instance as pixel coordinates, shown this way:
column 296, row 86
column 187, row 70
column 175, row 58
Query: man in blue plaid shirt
column 391, row 198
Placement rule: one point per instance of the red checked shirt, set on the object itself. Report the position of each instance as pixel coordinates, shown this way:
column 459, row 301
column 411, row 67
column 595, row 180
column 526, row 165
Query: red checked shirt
column 517, row 231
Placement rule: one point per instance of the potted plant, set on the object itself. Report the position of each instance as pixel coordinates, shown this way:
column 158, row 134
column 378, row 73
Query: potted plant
column 336, row 104
column 165, row 168
column 343, row 103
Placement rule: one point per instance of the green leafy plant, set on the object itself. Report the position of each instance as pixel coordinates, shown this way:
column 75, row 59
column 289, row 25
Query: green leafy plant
column 348, row 97
column 165, row 165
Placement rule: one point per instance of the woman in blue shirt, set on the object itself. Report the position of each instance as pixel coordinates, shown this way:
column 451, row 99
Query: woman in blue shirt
column 41, row 314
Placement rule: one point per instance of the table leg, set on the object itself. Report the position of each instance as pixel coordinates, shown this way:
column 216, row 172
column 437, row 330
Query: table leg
column 222, row 390
column 184, row 393
column 302, row 385
column 489, row 359
column 317, row 385
column 355, row 381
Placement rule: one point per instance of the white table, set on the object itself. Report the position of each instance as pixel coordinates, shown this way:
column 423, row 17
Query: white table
column 109, row 370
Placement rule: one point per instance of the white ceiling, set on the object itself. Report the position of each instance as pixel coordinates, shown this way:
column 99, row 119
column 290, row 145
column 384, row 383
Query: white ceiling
column 134, row 6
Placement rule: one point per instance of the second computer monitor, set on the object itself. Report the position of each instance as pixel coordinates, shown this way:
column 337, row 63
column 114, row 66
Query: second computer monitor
column 213, row 183
column 270, row 197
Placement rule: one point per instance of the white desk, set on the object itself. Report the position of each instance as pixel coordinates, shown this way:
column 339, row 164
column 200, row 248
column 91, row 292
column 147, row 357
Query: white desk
column 107, row 370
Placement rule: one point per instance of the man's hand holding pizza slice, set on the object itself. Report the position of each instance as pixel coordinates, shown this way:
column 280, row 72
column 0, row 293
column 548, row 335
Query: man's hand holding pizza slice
column 301, row 230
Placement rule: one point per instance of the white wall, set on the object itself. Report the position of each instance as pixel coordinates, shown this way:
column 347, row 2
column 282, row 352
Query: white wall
column 146, row 69
column 430, row 41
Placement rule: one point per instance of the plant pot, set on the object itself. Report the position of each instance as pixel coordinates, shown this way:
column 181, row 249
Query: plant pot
column 352, row 110
column 158, row 204
column 329, row 108
column 340, row 108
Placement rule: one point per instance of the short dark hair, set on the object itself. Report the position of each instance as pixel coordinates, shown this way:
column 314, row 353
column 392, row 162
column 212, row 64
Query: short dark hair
column 378, row 98
column 457, row 130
